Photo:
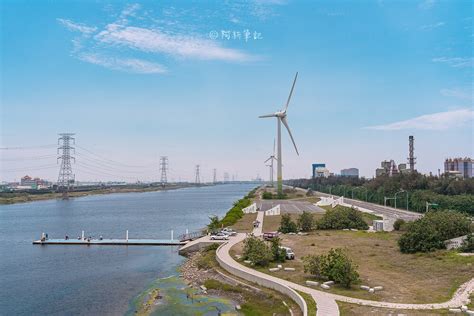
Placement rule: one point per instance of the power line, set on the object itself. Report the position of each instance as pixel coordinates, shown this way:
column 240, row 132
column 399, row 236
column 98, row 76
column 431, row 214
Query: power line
column 110, row 160
column 28, row 147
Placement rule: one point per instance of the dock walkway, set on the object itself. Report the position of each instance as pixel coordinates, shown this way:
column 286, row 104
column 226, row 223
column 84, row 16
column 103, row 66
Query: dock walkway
column 111, row 242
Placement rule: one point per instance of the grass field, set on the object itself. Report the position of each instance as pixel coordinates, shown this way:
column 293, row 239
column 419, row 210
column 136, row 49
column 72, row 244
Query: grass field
column 407, row 278
column 347, row 309
column 245, row 224
column 272, row 223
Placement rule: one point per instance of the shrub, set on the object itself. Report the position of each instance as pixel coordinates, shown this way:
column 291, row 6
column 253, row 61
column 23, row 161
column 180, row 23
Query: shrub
column 306, row 221
column 279, row 255
column 335, row 266
column 429, row 232
column 468, row 244
column 267, row 195
column 257, row 251
column 397, row 225
column 214, row 223
column 287, row 225
column 342, row 217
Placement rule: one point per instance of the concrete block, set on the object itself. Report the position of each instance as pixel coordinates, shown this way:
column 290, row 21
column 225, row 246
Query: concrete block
column 464, row 308
column 248, row 261
column 470, row 313
column 455, row 310
column 289, row 269
column 354, row 230
column 312, row 283
column 378, row 288
column 273, row 269
column 371, row 290
column 346, row 229
column 279, row 266
column 324, row 286
column 365, row 287
column 329, row 282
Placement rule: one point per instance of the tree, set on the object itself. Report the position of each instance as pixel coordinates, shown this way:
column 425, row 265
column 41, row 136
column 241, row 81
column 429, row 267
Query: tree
column 267, row 195
column 342, row 218
column 335, row 266
column 214, row 223
column 279, row 254
column 306, row 221
column 397, row 225
column 287, row 225
column 468, row 244
column 257, row 251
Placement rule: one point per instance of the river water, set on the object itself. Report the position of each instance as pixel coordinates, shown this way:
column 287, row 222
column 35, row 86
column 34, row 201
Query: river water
column 97, row 280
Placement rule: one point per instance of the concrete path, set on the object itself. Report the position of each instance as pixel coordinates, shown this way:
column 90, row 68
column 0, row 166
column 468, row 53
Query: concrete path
column 326, row 302
column 257, row 231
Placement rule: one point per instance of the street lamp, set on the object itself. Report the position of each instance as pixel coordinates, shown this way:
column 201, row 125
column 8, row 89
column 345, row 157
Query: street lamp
column 401, row 191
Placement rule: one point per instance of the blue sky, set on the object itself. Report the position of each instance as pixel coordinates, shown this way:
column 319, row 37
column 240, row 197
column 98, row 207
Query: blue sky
column 188, row 79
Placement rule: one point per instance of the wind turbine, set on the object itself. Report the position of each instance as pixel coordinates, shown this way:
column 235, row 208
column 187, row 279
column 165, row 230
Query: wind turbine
column 271, row 158
column 281, row 118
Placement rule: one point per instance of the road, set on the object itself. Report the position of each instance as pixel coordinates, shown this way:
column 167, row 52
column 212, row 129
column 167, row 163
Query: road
column 290, row 206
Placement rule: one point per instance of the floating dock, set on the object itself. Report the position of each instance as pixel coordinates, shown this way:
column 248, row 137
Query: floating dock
column 111, row 242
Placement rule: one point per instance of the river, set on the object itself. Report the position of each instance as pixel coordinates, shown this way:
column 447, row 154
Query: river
column 97, row 280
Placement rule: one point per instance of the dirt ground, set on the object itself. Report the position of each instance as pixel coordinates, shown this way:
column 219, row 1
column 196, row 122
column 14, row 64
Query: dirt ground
column 347, row 309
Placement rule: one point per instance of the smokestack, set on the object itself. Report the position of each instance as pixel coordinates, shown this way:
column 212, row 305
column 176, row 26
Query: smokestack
column 411, row 150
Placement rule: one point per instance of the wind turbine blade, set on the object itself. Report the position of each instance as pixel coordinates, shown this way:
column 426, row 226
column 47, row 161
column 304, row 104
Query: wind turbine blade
column 283, row 120
column 268, row 115
column 268, row 159
column 274, row 140
column 291, row 92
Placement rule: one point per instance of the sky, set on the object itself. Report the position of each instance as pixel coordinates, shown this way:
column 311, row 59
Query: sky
column 188, row 79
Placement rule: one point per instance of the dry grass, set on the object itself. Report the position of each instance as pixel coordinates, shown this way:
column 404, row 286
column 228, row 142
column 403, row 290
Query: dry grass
column 347, row 309
column 272, row 223
column 245, row 224
column 407, row 278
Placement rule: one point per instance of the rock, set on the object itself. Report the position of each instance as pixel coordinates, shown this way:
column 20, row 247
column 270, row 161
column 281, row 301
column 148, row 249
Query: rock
column 312, row 283
column 248, row 261
column 371, row 290
column 329, row 282
column 325, row 286
column 273, row 269
column 279, row 266
column 464, row 308
column 455, row 310
column 378, row 288
column 365, row 287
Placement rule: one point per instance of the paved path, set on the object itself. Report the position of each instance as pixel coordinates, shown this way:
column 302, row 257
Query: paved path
column 326, row 302
column 257, row 231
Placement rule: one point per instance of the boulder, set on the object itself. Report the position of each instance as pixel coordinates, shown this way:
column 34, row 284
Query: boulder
column 378, row 288
column 329, row 282
column 312, row 283
column 365, row 287
column 325, row 286
column 273, row 269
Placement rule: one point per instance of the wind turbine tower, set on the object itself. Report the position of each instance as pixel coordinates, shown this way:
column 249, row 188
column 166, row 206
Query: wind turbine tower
column 281, row 118
column 271, row 158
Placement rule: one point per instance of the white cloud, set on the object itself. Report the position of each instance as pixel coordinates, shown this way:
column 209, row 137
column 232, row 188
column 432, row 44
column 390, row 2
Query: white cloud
column 457, row 62
column 457, row 93
column 432, row 26
column 132, row 65
column 426, row 4
column 435, row 121
column 156, row 41
column 78, row 27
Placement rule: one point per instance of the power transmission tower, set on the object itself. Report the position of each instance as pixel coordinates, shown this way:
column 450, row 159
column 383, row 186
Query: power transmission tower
column 214, row 178
column 66, row 177
column 197, row 180
column 226, row 177
column 163, row 168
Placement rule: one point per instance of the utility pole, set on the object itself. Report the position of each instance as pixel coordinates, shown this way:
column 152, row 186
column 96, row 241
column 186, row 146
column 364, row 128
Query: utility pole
column 214, row 177
column 66, row 177
column 163, row 169
column 197, row 180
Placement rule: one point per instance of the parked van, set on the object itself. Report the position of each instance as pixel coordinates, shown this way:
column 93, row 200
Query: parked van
column 290, row 255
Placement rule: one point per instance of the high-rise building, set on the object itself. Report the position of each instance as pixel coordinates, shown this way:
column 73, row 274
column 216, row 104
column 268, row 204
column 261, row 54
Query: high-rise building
column 459, row 167
column 320, row 170
column 350, row 172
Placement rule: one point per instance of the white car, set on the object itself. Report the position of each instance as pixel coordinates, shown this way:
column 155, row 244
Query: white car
column 229, row 231
column 219, row 236
column 290, row 255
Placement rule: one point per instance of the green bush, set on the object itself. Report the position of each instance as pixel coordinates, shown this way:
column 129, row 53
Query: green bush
column 341, row 218
column 397, row 225
column 287, row 225
column 306, row 221
column 335, row 266
column 267, row 195
column 468, row 244
column 257, row 251
column 429, row 232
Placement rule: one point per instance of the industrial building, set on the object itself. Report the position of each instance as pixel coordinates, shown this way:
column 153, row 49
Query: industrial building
column 350, row 172
column 36, row 183
column 459, row 167
column 320, row 170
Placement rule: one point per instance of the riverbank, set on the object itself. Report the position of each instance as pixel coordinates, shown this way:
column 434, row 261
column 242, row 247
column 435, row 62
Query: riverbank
column 24, row 197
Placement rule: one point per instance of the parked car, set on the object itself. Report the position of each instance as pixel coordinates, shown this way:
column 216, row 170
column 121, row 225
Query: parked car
column 290, row 255
column 229, row 231
column 219, row 236
column 270, row 235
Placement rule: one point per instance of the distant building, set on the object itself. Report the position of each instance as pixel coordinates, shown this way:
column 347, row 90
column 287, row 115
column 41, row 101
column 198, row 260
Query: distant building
column 350, row 172
column 36, row 183
column 387, row 167
column 459, row 167
column 320, row 170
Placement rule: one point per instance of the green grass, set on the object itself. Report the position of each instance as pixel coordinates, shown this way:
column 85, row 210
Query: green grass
column 312, row 308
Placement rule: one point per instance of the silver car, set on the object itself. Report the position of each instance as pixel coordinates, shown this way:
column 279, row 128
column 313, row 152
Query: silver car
column 219, row 236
